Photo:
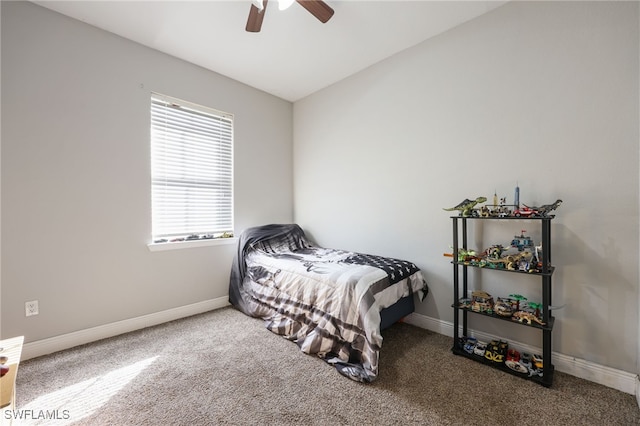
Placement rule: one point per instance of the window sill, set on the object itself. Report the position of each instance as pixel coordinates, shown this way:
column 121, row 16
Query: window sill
column 190, row 244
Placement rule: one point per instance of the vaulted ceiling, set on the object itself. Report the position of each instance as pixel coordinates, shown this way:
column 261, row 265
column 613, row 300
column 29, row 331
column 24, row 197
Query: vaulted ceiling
column 294, row 54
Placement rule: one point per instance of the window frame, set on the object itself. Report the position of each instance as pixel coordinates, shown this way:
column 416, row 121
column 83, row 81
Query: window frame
column 173, row 180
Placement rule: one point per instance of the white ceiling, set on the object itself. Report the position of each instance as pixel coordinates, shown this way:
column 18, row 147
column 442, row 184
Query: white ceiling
column 295, row 54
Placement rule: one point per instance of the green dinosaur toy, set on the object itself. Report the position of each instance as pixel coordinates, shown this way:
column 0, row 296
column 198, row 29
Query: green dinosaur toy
column 466, row 207
column 547, row 208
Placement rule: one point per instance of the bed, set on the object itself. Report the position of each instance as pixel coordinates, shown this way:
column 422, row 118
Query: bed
column 331, row 303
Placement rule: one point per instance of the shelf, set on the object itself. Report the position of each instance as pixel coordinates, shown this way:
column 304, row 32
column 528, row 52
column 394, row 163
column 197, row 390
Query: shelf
column 545, row 380
column 548, row 326
column 462, row 280
column 504, row 218
column 488, row 268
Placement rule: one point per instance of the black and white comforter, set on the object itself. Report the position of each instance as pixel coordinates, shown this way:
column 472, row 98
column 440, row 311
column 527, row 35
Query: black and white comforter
column 327, row 301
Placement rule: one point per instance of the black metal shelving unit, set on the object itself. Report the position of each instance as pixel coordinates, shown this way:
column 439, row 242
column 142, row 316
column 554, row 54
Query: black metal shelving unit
column 461, row 284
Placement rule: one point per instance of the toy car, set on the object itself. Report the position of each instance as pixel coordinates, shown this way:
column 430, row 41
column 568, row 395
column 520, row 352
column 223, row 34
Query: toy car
column 470, row 344
column 480, row 348
column 525, row 360
column 496, row 351
column 491, row 347
column 513, row 362
column 534, row 372
column 525, row 211
column 537, row 369
column 537, row 361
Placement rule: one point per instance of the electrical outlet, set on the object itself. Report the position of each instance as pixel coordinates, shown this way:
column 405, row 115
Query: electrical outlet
column 31, row 308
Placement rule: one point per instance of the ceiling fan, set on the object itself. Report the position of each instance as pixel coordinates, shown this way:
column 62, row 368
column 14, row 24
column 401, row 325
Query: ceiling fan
column 317, row 8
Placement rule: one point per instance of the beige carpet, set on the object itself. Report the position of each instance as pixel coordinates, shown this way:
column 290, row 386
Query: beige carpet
column 223, row 367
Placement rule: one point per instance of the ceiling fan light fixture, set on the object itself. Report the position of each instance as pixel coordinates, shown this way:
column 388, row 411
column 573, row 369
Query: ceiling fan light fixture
column 284, row 4
column 318, row 8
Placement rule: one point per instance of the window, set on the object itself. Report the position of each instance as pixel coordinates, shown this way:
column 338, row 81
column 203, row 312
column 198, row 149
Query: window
column 191, row 170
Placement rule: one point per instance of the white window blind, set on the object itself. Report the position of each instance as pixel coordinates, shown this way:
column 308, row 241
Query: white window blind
column 191, row 169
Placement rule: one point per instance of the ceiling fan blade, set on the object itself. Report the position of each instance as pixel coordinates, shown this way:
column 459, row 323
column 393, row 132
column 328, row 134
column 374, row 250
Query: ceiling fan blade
column 318, row 8
column 254, row 23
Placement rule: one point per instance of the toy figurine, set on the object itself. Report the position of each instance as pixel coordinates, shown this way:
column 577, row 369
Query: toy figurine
column 517, row 262
column 464, row 255
column 495, row 251
column 481, row 301
column 526, row 318
column 464, row 303
column 504, row 306
column 518, row 298
column 466, row 207
column 502, row 210
column 522, row 242
column 542, row 211
column 545, row 209
column 535, row 307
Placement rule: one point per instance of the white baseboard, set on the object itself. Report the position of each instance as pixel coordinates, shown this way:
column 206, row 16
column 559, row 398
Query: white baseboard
column 66, row 341
column 607, row 376
column 611, row 377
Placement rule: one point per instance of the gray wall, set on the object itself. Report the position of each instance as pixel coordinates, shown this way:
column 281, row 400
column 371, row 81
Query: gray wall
column 544, row 94
column 76, row 215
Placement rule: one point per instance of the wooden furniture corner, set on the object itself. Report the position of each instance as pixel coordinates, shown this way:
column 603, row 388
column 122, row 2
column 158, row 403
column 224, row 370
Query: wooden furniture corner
column 12, row 349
